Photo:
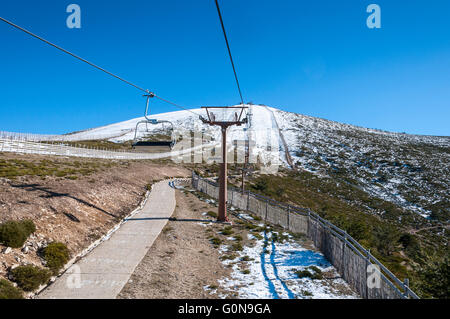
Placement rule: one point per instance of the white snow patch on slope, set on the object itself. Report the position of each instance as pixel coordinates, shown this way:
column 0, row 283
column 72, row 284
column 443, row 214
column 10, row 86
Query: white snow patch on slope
column 272, row 275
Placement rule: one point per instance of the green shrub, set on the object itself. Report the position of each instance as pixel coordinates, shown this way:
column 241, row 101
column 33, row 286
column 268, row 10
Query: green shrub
column 211, row 214
column 260, row 185
column 306, row 293
column 15, row 233
column 216, row 241
column 317, row 272
column 411, row 245
column 250, row 226
column 358, row 230
column 259, row 229
column 256, row 217
column 279, row 191
column 303, row 274
column 258, row 236
column 436, row 279
column 12, row 234
column 236, row 247
column 227, row 230
column 310, row 272
column 227, row 257
column 60, row 173
column 30, row 277
column 237, row 237
column 56, row 255
column 8, row 291
column 276, row 237
column 386, row 237
column 29, row 226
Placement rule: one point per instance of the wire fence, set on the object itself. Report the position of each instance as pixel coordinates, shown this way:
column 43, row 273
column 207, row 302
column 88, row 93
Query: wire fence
column 350, row 258
column 85, row 135
column 61, row 149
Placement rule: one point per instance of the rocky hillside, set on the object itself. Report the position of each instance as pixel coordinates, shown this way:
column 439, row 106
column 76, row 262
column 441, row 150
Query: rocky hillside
column 411, row 171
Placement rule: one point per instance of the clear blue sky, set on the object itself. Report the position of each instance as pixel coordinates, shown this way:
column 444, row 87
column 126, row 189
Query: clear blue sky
column 311, row 57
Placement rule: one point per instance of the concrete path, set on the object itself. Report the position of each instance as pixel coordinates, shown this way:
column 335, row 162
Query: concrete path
column 106, row 269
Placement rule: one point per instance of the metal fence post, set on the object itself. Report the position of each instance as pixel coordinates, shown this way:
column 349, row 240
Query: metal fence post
column 248, row 199
column 367, row 265
column 266, row 210
column 343, row 255
column 288, row 213
column 308, row 224
column 406, row 288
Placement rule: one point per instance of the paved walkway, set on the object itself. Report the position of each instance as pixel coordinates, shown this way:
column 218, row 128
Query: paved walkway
column 106, row 269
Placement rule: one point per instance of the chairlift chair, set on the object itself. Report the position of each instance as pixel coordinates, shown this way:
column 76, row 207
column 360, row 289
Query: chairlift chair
column 147, row 121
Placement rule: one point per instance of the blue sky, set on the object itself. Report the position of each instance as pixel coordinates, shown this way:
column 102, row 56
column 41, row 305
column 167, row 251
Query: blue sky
column 311, row 57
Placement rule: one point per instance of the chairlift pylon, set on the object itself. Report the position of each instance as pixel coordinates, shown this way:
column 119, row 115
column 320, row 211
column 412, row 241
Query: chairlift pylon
column 153, row 122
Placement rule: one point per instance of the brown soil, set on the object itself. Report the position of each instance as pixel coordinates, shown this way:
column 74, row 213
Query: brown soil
column 74, row 210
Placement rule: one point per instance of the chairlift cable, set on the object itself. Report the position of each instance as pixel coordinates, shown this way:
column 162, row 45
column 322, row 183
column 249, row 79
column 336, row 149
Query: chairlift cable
column 229, row 51
column 91, row 64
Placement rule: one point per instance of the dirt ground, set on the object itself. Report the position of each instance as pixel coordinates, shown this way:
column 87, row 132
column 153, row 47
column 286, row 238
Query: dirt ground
column 182, row 260
column 76, row 209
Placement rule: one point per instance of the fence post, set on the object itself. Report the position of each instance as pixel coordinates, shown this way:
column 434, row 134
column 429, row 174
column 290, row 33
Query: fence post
column 248, row 199
column 266, row 209
column 406, row 288
column 308, row 224
column 367, row 265
column 343, row 255
column 288, row 213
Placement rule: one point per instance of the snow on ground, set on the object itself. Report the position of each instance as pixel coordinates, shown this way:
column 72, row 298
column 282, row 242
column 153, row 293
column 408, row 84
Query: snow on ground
column 271, row 268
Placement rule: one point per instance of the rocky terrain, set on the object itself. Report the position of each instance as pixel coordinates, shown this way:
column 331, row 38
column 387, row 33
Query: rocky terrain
column 410, row 171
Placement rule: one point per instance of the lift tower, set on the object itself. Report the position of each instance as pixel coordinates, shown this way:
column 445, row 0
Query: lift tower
column 224, row 116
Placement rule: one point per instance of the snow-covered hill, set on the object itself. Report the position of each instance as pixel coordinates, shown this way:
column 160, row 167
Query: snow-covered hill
column 411, row 171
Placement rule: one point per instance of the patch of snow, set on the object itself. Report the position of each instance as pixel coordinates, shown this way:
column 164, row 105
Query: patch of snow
column 271, row 273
